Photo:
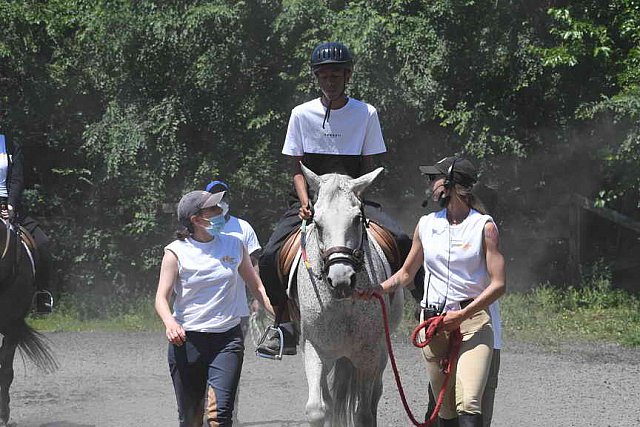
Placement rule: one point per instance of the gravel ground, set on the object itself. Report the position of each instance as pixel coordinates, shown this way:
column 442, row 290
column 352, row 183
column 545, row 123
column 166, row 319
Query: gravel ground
column 121, row 379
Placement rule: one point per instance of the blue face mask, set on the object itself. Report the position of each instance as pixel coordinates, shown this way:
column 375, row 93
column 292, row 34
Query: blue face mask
column 217, row 223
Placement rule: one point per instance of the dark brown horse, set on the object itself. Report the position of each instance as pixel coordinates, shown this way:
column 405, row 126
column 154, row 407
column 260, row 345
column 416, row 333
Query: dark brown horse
column 17, row 288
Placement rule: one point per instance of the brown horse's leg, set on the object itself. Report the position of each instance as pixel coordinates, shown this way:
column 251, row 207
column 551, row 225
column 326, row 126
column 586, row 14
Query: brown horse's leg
column 7, row 353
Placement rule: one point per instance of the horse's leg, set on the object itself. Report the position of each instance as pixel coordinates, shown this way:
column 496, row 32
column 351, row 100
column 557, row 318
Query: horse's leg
column 369, row 389
column 317, row 409
column 376, row 394
column 7, row 353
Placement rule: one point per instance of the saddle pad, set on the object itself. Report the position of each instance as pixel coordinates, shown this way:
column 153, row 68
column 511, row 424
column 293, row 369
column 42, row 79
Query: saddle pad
column 287, row 254
column 387, row 243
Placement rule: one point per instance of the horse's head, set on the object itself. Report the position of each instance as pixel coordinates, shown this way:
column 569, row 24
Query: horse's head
column 339, row 221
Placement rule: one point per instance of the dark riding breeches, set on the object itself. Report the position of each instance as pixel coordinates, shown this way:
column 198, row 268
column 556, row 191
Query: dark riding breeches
column 290, row 221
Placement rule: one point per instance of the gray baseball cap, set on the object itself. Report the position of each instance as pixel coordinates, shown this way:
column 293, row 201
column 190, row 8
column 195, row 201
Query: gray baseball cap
column 191, row 203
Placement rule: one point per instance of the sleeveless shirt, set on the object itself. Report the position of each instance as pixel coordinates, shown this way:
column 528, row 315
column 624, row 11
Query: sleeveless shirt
column 454, row 259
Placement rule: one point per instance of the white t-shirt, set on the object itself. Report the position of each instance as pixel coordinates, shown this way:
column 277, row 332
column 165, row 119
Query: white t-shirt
column 242, row 230
column 206, row 295
column 351, row 130
column 454, row 260
column 4, row 167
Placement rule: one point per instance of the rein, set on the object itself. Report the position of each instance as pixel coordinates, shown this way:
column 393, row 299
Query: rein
column 431, row 326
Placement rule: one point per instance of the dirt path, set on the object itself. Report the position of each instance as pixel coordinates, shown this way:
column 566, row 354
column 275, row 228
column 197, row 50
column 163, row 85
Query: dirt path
column 121, row 379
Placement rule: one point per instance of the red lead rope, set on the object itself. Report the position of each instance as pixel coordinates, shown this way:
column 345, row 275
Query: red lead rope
column 431, row 326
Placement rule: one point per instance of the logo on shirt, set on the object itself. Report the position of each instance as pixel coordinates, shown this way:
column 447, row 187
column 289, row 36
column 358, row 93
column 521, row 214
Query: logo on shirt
column 333, row 135
column 462, row 245
column 228, row 260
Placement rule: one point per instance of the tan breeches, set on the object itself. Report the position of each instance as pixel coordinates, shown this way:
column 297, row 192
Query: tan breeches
column 466, row 385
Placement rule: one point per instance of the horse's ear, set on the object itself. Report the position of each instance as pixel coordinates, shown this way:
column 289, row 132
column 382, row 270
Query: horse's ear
column 312, row 179
column 358, row 185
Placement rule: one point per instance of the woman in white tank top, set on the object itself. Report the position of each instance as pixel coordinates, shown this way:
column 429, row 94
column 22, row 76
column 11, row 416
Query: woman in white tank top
column 202, row 269
column 464, row 274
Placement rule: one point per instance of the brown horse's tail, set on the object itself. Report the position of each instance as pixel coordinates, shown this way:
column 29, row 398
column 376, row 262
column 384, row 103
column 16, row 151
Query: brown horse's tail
column 34, row 345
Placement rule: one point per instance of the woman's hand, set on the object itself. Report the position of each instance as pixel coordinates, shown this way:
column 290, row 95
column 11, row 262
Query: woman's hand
column 451, row 321
column 175, row 333
column 367, row 293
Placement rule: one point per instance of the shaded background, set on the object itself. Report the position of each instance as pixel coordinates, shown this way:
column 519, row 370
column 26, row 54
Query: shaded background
column 123, row 106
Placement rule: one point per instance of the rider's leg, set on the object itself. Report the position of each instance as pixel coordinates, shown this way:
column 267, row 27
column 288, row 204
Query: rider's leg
column 276, row 290
column 44, row 300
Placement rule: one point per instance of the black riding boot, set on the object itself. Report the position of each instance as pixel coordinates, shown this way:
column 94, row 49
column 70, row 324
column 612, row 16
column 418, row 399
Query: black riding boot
column 272, row 344
column 453, row 422
column 470, row 420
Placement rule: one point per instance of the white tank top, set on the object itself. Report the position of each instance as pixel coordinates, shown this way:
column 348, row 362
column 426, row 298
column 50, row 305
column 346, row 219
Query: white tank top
column 454, row 259
column 206, row 298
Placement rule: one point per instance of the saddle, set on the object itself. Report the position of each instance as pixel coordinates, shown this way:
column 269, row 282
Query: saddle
column 29, row 243
column 385, row 239
column 31, row 246
column 28, row 240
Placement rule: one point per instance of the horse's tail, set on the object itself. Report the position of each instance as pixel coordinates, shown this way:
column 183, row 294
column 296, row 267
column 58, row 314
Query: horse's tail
column 344, row 393
column 34, row 346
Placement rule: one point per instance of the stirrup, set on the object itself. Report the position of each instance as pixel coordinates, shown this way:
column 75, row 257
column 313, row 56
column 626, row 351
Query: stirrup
column 264, row 338
column 47, row 301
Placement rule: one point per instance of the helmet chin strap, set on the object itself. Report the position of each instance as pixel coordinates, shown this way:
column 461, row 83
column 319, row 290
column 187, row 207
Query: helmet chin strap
column 327, row 112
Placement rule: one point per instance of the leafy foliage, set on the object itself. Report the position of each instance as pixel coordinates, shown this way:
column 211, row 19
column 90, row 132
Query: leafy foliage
column 122, row 106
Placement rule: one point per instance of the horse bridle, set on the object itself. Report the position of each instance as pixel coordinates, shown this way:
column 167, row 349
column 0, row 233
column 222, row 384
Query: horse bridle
column 352, row 256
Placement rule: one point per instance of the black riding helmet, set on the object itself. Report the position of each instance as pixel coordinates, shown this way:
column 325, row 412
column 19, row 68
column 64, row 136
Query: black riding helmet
column 331, row 53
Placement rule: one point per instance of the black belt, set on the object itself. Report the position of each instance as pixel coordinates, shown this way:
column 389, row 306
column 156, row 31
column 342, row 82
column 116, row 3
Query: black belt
column 465, row 303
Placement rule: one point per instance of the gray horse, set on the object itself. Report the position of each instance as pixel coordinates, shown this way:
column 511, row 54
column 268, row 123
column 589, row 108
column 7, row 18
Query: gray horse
column 339, row 333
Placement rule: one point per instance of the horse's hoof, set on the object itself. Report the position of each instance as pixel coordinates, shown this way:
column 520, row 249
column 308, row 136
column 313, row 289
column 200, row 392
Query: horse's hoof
column 316, row 417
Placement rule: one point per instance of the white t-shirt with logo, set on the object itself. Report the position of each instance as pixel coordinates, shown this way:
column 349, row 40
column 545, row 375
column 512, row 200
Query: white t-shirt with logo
column 454, row 260
column 242, row 230
column 206, row 294
column 4, row 167
column 351, row 130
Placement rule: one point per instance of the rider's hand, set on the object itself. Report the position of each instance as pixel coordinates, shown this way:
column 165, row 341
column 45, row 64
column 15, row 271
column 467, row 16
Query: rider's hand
column 305, row 212
column 11, row 211
column 176, row 333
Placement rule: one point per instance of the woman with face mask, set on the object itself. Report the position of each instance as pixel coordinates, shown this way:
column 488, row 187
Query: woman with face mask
column 202, row 268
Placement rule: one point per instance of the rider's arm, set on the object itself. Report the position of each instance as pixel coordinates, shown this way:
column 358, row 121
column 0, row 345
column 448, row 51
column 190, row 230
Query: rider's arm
column 300, row 185
column 407, row 272
column 16, row 180
column 251, row 278
column 168, row 275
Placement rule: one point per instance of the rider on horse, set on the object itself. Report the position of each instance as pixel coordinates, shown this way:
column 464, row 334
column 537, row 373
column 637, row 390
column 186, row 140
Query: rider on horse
column 330, row 134
column 11, row 187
